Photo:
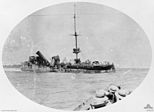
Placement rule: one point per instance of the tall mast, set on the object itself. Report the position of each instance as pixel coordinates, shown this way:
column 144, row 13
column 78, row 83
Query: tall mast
column 75, row 32
column 76, row 50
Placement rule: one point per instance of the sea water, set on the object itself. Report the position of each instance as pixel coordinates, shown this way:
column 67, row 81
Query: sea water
column 67, row 90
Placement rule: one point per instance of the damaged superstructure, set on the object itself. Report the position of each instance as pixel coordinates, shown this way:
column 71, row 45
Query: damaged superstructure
column 40, row 64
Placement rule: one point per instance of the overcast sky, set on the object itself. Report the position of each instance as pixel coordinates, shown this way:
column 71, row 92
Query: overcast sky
column 105, row 35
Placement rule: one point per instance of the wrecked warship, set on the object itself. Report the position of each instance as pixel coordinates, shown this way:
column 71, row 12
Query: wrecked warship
column 40, row 64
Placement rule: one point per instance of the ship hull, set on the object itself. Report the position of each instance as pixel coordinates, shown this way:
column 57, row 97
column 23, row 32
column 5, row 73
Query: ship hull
column 91, row 67
column 71, row 69
column 36, row 69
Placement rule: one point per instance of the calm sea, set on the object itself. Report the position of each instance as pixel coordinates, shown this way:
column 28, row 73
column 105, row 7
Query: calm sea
column 67, row 90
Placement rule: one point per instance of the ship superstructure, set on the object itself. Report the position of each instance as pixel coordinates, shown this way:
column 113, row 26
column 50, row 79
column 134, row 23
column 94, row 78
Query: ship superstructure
column 41, row 64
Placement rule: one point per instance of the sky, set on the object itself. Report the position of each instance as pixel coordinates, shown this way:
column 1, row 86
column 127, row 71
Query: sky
column 105, row 34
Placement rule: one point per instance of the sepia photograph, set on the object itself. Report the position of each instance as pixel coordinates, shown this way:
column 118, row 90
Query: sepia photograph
column 77, row 56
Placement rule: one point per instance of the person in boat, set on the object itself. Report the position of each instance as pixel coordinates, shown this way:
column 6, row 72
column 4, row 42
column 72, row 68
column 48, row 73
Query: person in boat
column 116, row 93
column 112, row 90
column 122, row 94
column 100, row 99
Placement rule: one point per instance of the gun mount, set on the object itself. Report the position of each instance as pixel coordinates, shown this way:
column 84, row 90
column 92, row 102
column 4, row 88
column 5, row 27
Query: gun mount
column 41, row 59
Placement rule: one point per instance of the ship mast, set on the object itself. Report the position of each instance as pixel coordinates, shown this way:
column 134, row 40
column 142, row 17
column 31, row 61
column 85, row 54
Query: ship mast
column 76, row 50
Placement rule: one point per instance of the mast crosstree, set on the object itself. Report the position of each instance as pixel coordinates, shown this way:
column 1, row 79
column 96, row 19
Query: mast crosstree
column 76, row 50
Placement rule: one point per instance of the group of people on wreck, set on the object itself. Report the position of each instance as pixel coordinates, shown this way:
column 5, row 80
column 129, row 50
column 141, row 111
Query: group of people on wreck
column 103, row 98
